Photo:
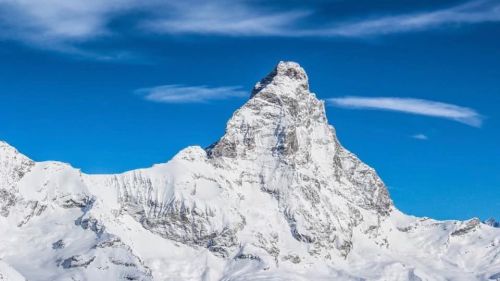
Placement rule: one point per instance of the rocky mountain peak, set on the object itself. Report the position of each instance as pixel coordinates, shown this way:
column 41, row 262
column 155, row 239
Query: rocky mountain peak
column 278, row 119
column 286, row 73
column 276, row 198
column 284, row 125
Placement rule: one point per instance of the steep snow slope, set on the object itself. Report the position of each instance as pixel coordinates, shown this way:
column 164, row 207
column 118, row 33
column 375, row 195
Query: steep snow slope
column 276, row 198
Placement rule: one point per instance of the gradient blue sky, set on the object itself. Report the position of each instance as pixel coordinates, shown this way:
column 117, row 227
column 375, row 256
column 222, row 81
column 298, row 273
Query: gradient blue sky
column 120, row 85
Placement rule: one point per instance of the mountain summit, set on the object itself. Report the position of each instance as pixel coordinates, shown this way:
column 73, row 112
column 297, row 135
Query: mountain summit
column 276, row 198
column 287, row 74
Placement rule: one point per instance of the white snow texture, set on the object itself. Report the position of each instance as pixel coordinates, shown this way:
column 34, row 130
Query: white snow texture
column 276, row 198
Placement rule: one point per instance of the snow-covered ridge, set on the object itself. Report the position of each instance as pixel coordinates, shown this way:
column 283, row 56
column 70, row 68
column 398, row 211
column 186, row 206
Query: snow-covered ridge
column 276, row 198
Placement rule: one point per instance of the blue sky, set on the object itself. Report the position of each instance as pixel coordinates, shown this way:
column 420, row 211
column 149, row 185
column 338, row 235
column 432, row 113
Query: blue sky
column 412, row 87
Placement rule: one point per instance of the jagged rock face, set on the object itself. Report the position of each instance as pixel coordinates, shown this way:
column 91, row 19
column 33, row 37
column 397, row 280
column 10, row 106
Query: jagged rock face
column 280, row 113
column 276, row 198
column 279, row 143
column 285, row 125
column 13, row 166
column 281, row 140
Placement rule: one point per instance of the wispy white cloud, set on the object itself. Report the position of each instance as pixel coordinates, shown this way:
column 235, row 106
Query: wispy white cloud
column 64, row 26
column 214, row 18
column 472, row 12
column 420, row 137
column 54, row 21
column 189, row 94
column 248, row 20
column 453, row 112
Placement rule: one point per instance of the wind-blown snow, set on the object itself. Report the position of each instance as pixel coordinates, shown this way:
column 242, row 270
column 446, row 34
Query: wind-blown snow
column 276, row 198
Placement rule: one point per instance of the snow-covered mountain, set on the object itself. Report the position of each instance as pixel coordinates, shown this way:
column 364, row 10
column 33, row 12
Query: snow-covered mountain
column 276, row 198
column 492, row 222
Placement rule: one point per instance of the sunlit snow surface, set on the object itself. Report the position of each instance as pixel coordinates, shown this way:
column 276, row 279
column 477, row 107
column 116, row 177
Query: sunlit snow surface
column 276, row 198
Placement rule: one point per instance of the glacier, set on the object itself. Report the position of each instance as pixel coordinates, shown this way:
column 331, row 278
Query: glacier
column 276, row 198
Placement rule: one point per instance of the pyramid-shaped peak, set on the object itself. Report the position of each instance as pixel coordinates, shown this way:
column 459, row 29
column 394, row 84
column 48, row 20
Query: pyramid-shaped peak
column 282, row 117
column 285, row 74
column 291, row 70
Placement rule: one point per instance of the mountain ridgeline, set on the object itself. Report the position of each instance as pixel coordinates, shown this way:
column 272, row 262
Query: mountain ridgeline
column 277, row 197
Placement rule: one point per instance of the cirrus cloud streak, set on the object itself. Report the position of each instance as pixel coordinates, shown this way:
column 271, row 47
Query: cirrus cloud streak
column 473, row 12
column 189, row 94
column 453, row 112
column 65, row 26
column 420, row 137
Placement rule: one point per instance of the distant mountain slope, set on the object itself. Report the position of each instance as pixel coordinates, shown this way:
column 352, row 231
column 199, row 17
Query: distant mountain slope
column 492, row 222
column 276, row 198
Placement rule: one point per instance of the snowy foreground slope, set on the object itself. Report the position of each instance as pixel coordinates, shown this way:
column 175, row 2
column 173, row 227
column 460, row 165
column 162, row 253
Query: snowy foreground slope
column 276, row 198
